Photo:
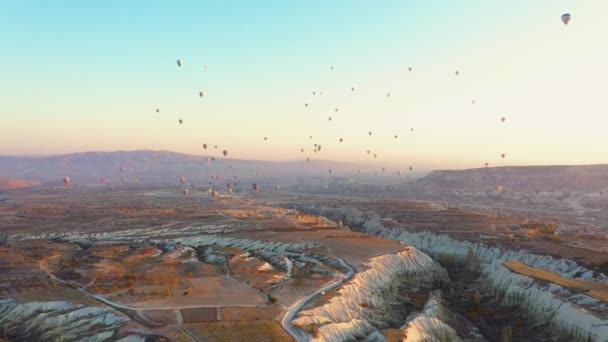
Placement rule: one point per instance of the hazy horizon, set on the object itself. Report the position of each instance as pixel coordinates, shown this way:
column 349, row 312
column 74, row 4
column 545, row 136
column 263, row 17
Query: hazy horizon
column 82, row 77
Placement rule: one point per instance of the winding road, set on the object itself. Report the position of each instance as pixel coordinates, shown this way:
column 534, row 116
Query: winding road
column 296, row 333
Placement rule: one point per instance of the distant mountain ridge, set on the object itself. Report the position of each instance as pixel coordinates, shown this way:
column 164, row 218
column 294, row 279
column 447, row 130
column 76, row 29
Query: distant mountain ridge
column 161, row 167
column 584, row 178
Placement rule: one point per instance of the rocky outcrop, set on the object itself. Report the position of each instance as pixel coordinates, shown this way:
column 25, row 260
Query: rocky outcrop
column 364, row 303
column 50, row 321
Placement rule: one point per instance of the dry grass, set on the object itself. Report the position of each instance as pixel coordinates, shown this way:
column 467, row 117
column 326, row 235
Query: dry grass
column 592, row 288
column 58, row 293
column 261, row 331
column 230, row 314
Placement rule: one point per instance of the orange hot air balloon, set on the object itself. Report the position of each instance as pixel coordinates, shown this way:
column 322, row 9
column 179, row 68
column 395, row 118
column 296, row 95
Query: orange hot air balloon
column 66, row 181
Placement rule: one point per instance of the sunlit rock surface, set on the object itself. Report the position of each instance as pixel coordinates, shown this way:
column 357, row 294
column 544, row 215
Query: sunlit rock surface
column 362, row 303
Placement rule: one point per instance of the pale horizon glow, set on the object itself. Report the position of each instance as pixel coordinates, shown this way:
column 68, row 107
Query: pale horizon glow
column 80, row 77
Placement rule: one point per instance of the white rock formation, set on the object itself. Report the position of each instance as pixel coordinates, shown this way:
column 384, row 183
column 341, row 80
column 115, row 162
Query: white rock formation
column 362, row 301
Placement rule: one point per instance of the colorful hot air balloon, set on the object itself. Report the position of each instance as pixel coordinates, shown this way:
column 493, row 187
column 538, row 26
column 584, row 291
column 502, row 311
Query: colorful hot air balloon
column 215, row 147
column 335, row 109
column 395, row 136
column 265, row 138
column 486, row 164
column 186, row 192
column 66, row 181
column 308, row 160
column 500, row 188
column 200, row 93
column 329, row 170
column 503, row 155
column 205, row 146
column 411, row 168
column 503, row 119
column 180, row 62
column 383, row 169
column 319, row 148
column 182, row 179
column 352, row 89
column 340, row 139
column 330, row 118
column 369, row 133
column 157, row 110
column 256, row 187
column 457, row 73
column 409, row 69
column 225, row 153
column 368, row 151
column 566, row 18
column 301, row 150
column 181, row 121
column 306, row 105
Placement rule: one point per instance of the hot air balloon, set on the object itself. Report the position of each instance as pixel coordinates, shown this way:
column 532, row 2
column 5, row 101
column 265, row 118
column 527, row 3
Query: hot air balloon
column 200, row 93
column 375, row 156
column 340, row 139
column 277, row 187
column 486, row 164
column 499, row 188
column 306, row 105
column 503, row 155
column 180, row 62
column 215, row 146
column 212, row 159
column 310, row 137
column 214, row 194
column 205, row 66
column 265, row 138
column 122, row 170
column 319, row 148
column 383, row 169
column 66, row 181
column 308, row 160
column 181, row 121
column 411, row 129
column 330, row 118
column 368, row 151
column 205, row 146
column 182, row 179
column 332, row 67
column 369, row 133
column 315, row 145
column 409, row 69
column 503, row 119
column 102, row 180
column 157, row 110
column 398, row 173
column 314, row 93
column 352, row 89
column 473, row 102
column 411, row 168
column 335, row 109
column 186, row 192
column 301, row 150
column 395, row 136
column 256, row 187
column 329, row 170
column 321, row 93
column 457, row 73
column 566, row 18
column 388, row 95
column 225, row 152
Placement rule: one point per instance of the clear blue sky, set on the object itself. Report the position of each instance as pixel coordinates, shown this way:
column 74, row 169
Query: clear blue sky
column 85, row 75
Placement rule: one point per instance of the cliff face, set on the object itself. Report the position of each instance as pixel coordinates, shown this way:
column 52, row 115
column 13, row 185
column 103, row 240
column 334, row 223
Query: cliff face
column 364, row 303
column 569, row 313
